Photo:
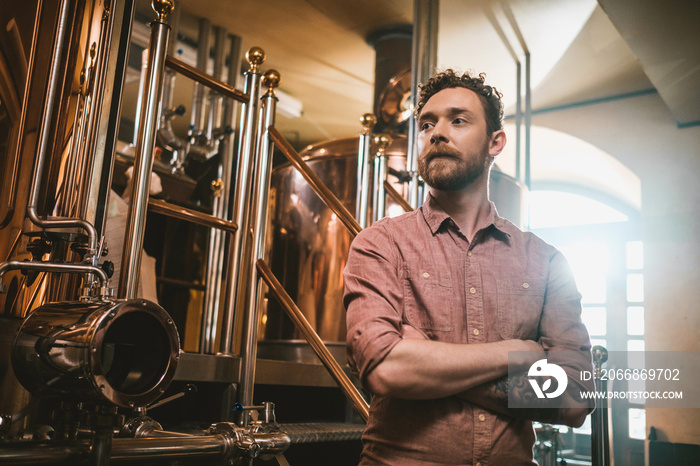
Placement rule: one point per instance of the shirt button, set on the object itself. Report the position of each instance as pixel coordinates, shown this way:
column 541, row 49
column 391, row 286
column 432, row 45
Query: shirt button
column 472, row 290
column 526, row 285
column 482, row 418
column 426, row 274
column 475, row 331
column 469, row 253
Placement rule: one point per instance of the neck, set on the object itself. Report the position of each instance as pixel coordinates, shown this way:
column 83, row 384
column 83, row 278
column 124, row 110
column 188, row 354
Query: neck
column 468, row 207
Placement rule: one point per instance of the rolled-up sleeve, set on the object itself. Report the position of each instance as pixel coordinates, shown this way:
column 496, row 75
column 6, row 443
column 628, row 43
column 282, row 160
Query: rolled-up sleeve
column 562, row 333
column 373, row 299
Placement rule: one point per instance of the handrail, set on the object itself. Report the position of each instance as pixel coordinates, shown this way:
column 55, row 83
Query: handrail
column 175, row 211
column 205, row 79
column 315, row 182
column 398, row 198
column 350, row 391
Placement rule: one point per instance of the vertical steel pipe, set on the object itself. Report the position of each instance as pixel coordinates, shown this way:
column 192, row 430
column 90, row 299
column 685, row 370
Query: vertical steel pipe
column 143, row 163
column 425, row 29
column 255, row 293
column 600, row 443
column 239, row 247
column 212, row 292
column 55, row 76
column 199, row 93
column 380, row 172
column 368, row 121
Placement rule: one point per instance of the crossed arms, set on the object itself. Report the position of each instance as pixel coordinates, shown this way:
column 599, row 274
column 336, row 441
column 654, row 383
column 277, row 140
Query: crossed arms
column 418, row 368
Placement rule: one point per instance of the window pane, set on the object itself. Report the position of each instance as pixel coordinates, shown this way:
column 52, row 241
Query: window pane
column 635, row 288
column 557, row 209
column 595, row 320
column 637, row 423
column 635, row 345
column 634, row 255
column 635, row 320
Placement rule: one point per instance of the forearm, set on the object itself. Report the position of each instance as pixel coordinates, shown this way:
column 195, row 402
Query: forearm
column 494, row 396
column 424, row 369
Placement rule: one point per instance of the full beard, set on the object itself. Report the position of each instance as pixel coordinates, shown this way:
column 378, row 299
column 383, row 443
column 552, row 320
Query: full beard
column 445, row 169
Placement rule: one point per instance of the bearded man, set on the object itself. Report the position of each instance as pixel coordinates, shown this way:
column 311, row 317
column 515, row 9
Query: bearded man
column 438, row 298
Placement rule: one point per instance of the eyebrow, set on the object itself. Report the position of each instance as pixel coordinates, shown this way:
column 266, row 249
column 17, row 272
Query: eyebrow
column 452, row 111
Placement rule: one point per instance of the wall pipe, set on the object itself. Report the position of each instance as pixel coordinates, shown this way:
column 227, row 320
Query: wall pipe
column 143, row 162
column 55, row 75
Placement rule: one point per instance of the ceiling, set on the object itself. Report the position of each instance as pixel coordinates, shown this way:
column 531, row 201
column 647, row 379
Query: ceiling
column 580, row 50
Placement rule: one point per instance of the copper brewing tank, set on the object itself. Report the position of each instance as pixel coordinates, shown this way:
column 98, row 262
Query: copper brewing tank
column 309, row 246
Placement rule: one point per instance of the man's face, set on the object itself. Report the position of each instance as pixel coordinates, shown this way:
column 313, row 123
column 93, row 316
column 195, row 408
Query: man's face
column 453, row 147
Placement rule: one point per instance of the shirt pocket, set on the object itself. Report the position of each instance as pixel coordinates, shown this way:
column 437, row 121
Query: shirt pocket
column 520, row 304
column 428, row 299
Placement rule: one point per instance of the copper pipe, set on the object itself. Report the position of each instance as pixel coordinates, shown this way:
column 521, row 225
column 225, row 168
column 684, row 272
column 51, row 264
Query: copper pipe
column 175, row 211
column 205, row 79
column 398, row 198
column 315, row 182
column 350, row 391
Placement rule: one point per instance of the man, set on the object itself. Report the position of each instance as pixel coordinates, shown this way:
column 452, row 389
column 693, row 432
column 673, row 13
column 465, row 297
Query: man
column 436, row 300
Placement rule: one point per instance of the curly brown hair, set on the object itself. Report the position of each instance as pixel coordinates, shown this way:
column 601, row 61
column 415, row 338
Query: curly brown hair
column 489, row 96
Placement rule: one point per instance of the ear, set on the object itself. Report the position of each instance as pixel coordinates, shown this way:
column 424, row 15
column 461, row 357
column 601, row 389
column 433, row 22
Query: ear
column 497, row 142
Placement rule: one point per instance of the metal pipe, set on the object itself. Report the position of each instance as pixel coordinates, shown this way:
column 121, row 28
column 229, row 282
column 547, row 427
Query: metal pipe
column 143, row 163
column 315, row 182
column 241, row 242
column 215, row 253
column 33, row 266
column 380, row 173
column 424, row 59
column 350, row 391
column 255, row 294
column 203, row 78
column 398, row 198
column 600, row 443
column 175, row 211
column 199, row 93
column 368, row 121
column 55, row 76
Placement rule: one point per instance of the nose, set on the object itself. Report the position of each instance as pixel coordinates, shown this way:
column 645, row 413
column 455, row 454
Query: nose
column 438, row 133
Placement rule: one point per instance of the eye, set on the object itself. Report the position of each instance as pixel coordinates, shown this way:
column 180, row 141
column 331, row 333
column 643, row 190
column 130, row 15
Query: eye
column 459, row 121
column 426, row 125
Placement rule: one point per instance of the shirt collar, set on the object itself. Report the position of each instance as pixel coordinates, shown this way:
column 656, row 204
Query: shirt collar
column 435, row 217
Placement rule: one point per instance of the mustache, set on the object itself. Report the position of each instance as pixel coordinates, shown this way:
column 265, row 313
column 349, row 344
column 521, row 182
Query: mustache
column 441, row 150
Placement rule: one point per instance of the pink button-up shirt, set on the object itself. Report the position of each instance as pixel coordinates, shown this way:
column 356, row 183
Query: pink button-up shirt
column 419, row 269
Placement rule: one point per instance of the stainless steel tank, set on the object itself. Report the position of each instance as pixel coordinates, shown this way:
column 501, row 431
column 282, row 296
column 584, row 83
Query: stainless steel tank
column 122, row 352
column 309, row 246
